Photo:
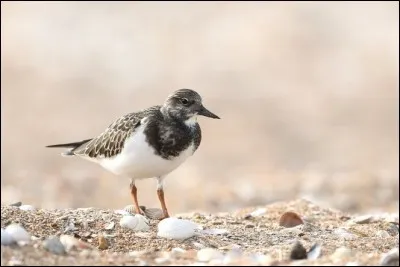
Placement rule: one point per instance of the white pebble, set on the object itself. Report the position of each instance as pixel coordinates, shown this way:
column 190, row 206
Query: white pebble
column 18, row 233
column 208, row 254
column 343, row 233
column 258, row 212
column 27, row 208
column 383, row 234
column 342, row 253
column 6, row 238
column 174, row 228
column 137, row 222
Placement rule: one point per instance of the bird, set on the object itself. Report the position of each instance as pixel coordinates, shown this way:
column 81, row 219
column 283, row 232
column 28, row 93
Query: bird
column 149, row 143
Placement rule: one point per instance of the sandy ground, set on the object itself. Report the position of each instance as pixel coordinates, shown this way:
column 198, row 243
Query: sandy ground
column 366, row 239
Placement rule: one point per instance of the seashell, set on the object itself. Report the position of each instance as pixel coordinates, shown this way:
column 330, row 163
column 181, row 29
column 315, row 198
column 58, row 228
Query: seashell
column 137, row 222
column 314, row 252
column 208, row 254
column 18, row 233
column 27, row 208
column 6, row 238
column 174, row 228
column 122, row 212
column 215, row 231
column 177, row 252
column 298, row 252
column 391, row 258
column 290, row 219
column 154, row 213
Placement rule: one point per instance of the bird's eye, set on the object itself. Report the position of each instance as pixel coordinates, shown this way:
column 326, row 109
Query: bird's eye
column 184, row 101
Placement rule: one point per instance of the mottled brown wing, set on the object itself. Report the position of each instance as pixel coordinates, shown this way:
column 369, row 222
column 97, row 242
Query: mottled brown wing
column 112, row 140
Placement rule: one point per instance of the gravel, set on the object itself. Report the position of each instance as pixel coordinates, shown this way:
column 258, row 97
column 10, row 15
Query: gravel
column 265, row 243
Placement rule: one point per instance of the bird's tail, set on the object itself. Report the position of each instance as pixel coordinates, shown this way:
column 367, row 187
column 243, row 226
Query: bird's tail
column 73, row 146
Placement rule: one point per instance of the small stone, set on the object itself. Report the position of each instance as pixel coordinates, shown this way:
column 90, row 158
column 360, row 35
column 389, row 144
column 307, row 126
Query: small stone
column 16, row 204
column 215, row 231
column 345, row 234
column 6, row 238
column 233, row 256
column 314, row 252
column 103, row 243
column 382, row 234
column 177, row 252
column 363, row 219
column 110, row 226
column 208, row 254
column 154, row 213
column 342, row 253
column 27, row 208
column 391, row 258
column 71, row 243
column 298, row 252
column 161, row 260
column 54, row 245
column 258, row 212
column 250, row 225
column 290, row 219
column 18, row 233
column 295, row 231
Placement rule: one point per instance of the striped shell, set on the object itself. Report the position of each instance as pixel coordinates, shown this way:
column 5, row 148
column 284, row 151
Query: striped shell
column 137, row 222
column 151, row 213
column 174, row 228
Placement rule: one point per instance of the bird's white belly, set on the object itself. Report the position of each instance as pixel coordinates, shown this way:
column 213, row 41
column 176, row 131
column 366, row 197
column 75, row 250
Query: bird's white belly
column 138, row 159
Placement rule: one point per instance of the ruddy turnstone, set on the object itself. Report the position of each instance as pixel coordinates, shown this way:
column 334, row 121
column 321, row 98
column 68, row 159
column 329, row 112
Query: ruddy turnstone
column 149, row 143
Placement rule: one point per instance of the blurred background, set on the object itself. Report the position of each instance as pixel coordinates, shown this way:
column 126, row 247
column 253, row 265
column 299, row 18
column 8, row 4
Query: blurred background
column 308, row 94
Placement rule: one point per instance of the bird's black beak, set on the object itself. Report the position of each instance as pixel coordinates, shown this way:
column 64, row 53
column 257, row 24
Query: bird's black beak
column 205, row 112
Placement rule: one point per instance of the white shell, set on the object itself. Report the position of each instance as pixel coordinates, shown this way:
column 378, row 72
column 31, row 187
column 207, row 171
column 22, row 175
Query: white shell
column 6, row 238
column 18, row 233
column 27, row 208
column 259, row 212
column 174, row 228
column 137, row 222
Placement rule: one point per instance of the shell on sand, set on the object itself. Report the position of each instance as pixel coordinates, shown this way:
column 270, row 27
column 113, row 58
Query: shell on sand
column 137, row 222
column 174, row 228
column 151, row 213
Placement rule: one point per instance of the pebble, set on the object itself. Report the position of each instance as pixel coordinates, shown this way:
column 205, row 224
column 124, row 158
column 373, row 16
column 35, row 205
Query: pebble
column 363, row 219
column 208, row 254
column 27, row 208
column 345, row 234
column 54, row 245
column 18, row 233
column 258, row 212
column 342, row 253
column 177, row 252
column 71, row 242
column 382, row 234
column 391, row 258
column 103, row 243
column 233, row 256
column 290, row 219
column 314, row 252
column 110, row 226
column 16, row 204
column 298, row 252
column 6, row 238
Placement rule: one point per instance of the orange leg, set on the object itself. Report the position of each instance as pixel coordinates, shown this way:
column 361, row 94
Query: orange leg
column 134, row 197
column 160, row 193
